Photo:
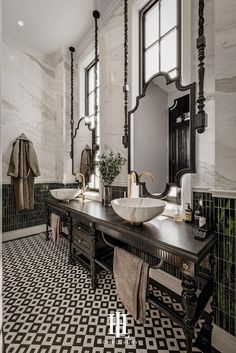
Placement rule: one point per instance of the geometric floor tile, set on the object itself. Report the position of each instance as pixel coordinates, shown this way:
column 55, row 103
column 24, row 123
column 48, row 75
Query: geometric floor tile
column 49, row 307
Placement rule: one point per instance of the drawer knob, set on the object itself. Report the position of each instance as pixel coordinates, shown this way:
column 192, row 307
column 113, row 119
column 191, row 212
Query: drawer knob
column 185, row 267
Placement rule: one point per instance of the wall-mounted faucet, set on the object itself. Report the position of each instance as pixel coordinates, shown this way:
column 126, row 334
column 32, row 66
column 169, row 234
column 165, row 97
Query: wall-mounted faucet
column 83, row 184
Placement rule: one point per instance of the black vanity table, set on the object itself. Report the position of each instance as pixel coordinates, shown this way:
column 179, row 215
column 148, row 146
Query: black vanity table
column 93, row 227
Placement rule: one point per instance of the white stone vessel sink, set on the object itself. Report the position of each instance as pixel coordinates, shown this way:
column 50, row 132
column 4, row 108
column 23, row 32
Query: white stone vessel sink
column 65, row 194
column 138, row 210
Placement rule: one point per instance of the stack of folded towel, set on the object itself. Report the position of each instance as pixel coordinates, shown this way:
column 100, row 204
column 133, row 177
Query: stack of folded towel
column 131, row 276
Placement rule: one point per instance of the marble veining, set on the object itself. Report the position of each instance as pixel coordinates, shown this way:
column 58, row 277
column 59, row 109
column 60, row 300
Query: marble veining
column 29, row 106
column 226, row 85
column 225, row 58
column 49, row 72
column 138, row 210
column 111, row 52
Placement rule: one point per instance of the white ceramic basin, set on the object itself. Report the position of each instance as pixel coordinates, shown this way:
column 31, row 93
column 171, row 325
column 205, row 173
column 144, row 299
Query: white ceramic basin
column 65, row 194
column 138, row 210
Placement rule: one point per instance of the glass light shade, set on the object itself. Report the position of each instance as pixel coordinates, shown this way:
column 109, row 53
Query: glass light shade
column 87, row 120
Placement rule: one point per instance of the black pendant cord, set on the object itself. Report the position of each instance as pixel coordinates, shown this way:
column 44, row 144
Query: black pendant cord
column 72, row 50
column 201, row 118
column 125, row 139
column 96, row 16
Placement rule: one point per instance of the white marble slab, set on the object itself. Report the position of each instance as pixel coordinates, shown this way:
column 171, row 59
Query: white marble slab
column 28, row 105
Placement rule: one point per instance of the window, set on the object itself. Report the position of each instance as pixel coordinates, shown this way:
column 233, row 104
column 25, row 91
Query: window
column 158, row 39
column 90, row 111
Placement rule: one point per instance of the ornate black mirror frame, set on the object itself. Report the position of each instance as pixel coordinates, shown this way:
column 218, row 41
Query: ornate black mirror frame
column 191, row 88
column 197, row 121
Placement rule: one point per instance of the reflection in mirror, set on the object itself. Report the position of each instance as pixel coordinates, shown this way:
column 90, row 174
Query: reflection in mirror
column 161, row 136
column 83, row 156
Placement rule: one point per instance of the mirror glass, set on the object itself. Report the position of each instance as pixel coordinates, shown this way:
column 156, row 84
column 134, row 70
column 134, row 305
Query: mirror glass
column 82, row 150
column 162, row 141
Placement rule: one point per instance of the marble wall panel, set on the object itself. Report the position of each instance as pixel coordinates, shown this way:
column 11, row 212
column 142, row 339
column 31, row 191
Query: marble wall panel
column 225, row 52
column 28, row 105
column 111, row 87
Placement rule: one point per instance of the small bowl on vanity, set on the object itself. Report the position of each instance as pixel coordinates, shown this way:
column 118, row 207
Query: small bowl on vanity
column 136, row 211
column 65, row 195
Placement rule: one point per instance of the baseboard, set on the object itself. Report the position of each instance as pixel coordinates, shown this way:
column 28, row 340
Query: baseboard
column 221, row 340
column 24, row 232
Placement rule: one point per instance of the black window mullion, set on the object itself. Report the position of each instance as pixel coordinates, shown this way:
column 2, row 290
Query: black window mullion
column 143, row 49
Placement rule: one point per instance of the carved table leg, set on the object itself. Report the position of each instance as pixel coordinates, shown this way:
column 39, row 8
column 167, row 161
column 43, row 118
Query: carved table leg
column 47, row 233
column 204, row 339
column 71, row 259
column 189, row 302
column 47, row 223
column 93, row 253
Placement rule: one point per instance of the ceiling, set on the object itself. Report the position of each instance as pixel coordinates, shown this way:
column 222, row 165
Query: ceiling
column 50, row 24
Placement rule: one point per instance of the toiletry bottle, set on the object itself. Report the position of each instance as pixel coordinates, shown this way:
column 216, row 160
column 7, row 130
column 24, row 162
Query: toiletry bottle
column 188, row 214
column 177, row 216
column 202, row 221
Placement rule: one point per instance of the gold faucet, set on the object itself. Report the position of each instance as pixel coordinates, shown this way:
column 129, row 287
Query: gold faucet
column 132, row 178
column 147, row 174
column 83, row 184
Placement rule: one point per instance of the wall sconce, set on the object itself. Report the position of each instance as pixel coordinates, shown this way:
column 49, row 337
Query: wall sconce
column 87, row 122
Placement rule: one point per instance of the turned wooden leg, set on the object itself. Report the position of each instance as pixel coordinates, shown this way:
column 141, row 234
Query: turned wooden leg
column 47, row 224
column 189, row 341
column 93, row 253
column 204, row 340
column 71, row 259
column 47, row 233
column 189, row 303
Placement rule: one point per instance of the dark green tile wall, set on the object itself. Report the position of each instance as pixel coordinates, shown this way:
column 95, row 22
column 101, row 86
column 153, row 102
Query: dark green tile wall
column 222, row 214
column 12, row 220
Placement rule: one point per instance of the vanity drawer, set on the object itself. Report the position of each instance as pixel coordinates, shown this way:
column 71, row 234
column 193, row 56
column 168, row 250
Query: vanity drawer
column 81, row 239
column 79, row 226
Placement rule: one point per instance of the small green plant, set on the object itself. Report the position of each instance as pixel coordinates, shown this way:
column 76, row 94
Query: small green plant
column 110, row 166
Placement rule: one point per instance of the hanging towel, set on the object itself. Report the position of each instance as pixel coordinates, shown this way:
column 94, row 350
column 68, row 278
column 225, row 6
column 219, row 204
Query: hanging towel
column 23, row 168
column 131, row 277
column 55, row 227
column 86, row 163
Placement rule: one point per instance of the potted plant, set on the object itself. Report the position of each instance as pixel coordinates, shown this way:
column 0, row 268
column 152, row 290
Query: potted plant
column 109, row 166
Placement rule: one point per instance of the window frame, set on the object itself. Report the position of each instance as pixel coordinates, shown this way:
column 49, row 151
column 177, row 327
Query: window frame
column 95, row 147
column 142, row 48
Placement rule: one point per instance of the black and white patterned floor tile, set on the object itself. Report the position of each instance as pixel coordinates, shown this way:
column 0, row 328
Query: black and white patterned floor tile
column 49, row 307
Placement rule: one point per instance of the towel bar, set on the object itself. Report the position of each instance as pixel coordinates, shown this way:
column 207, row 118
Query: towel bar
column 161, row 263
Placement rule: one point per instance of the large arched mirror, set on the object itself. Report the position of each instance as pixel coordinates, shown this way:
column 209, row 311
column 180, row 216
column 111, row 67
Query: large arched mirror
column 163, row 134
column 161, row 126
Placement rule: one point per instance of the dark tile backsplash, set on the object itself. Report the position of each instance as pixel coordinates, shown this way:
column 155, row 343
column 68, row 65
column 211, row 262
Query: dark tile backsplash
column 221, row 213
column 12, row 220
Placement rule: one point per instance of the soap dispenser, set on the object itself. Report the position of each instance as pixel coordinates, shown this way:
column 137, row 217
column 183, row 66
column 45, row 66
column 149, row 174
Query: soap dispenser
column 188, row 214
